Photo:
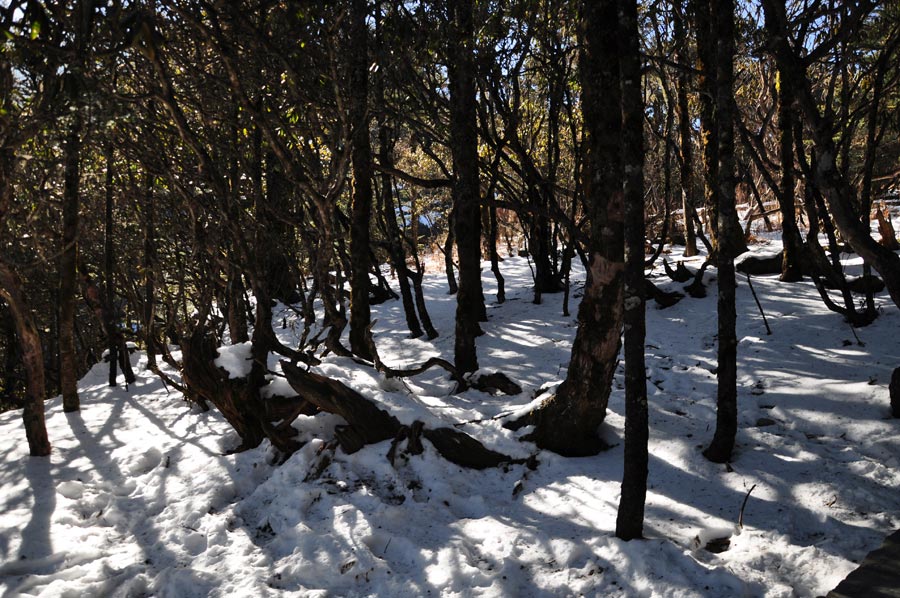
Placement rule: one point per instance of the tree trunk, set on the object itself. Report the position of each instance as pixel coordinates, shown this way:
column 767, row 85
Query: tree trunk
column 32, row 357
column 360, row 314
column 388, row 208
column 709, row 60
column 149, row 272
column 792, row 266
column 495, row 257
column 686, row 158
column 567, row 422
column 726, row 373
column 838, row 193
column 630, row 518
column 68, row 363
column 107, row 320
column 466, row 193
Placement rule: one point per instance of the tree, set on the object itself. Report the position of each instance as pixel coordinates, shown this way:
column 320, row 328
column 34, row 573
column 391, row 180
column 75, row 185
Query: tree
column 567, row 422
column 630, row 519
column 466, row 192
column 362, row 183
column 730, row 241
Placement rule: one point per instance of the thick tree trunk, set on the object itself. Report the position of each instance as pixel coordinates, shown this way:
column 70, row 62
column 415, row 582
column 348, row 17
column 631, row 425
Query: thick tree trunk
column 567, row 423
column 466, row 194
column 360, row 314
column 630, row 518
column 32, row 359
column 368, row 424
column 726, row 373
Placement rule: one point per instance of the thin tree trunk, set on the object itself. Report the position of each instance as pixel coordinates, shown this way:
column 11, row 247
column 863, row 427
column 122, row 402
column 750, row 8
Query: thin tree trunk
column 388, row 208
column 360, row 313
column 686, row 158
column 448, row 252
column 149, row 272
column 466, row 193
column 792, row 267
column 68, row 363
column 838, row 193
column 630, row 517
column 107, row 320
column 726, row 373
column 495, row 257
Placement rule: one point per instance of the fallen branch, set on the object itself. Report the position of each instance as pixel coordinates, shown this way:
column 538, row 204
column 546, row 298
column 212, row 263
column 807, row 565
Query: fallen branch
column 759, row 305
column 369, row 424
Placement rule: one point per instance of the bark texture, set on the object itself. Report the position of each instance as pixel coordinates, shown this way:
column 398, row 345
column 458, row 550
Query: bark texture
column 730, row 240
column 630, row 517
column 466, row 194
column 360, row 314
column 567, row 423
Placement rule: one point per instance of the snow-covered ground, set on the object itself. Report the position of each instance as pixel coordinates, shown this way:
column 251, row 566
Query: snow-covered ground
column 140, row 499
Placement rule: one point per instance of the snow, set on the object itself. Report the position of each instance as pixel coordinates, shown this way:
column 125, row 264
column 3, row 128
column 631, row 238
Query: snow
column 141, row 497
column 235, row 359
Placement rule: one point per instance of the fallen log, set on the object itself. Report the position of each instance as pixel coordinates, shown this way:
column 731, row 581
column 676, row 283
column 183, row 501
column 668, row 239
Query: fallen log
column 662, row 298
column 680, row 273
column 760, row 265
column 696, row 288
column 369, row 424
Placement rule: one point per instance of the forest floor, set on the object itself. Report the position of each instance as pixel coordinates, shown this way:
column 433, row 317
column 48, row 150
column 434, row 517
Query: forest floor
column 139, row 497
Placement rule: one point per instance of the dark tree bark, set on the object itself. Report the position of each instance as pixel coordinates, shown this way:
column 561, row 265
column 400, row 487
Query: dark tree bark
column 827, row 177
column 149, row 271
column 68, row 363
column 707, row 14
column 495, row 257
column 791, row 267
column 388, row 207
column 452, row 286
column 567, row 423
column 630, row 518
column 11, row 291
column 236, row 307
column 360, row 314
column 686, row 152
column 466, row 193
column 729, row 246
column 29, row 345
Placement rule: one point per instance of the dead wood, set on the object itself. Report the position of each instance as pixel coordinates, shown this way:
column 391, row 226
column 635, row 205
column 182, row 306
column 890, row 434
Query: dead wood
column 369, row 424
column 662, row 298
column 886, row 229
column 494, row 383
column 237, row 399
column 390, row 372
column 696, row 288
column 680, row 273
column 757, row 266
